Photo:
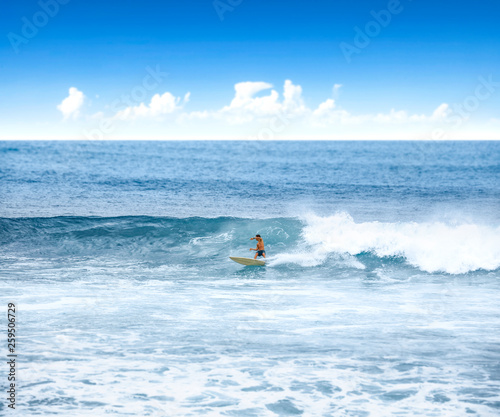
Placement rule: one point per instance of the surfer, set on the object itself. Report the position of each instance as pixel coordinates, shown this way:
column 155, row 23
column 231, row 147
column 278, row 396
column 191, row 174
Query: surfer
column 260, row 247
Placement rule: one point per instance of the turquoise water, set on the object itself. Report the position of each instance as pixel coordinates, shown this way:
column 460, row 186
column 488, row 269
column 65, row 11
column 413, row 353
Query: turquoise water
column 380, row 295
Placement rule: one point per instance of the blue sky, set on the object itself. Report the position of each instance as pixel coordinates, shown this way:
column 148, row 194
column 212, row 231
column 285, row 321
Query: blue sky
column 408, row 79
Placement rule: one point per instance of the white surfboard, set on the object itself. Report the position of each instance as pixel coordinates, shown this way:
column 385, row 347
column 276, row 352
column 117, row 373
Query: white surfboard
column 247, row 261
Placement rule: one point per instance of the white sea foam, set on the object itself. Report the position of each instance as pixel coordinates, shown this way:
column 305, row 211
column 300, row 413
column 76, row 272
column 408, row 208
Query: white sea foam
column 210, row 240
column 431, row 246
column 313, row 257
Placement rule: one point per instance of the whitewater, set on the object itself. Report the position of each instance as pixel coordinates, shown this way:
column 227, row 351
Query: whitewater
column 380, row 295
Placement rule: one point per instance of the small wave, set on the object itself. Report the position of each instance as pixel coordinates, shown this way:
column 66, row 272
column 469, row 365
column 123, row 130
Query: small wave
column 431, row 247
column 140, row 238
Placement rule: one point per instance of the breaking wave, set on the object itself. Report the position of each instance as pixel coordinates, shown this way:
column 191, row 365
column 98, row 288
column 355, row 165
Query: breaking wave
column 431, row 247
column 308, row 241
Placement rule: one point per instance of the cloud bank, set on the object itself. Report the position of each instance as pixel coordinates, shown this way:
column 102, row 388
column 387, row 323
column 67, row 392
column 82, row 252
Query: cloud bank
column 258, row 110
column 160, row 105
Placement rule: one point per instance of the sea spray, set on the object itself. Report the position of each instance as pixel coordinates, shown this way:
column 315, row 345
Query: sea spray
column 431, row 247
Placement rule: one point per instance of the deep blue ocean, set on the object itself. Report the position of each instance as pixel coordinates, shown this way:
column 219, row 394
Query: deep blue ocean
column 380, row 295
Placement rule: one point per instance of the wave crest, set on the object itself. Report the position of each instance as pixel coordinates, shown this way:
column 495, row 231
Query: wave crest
column 432, row 247
column 331, row 241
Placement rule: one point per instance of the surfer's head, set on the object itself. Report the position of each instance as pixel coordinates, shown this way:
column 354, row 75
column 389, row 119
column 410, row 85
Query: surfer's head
column 257, row 235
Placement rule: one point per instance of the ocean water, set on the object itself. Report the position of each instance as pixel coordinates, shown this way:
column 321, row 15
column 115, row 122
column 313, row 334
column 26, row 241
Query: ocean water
column 380, row 296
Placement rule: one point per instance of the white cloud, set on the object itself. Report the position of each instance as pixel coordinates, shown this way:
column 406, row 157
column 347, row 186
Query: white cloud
column 327, row 113
column 70, row 106
column 245, row 91
column 257, row 109
column 441, row 113
column 325, row 107
column 246, row 108
column 397, row 116
column 160, row 105
column 336, row 89
column 293, row 102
